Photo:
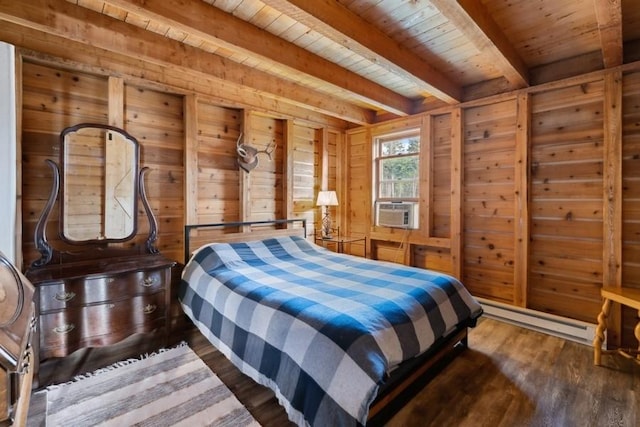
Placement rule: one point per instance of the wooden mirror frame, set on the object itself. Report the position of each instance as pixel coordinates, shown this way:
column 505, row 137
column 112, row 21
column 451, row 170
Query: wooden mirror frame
column 66, row 231
column 51, row 255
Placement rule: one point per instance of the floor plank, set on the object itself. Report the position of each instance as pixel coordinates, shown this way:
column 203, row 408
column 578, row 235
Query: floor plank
column 509, row 376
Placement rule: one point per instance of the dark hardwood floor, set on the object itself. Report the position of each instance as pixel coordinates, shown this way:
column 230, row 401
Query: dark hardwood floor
column 509, row 376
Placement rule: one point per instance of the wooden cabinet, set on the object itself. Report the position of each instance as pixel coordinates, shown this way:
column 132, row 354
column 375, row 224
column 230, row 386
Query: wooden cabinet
column 96, row 303
column 100, row 282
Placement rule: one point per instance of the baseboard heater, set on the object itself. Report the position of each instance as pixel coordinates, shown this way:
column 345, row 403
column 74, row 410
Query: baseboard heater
column 563, row 327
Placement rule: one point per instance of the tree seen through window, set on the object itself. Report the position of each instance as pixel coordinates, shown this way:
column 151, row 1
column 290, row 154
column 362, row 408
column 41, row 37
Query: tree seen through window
column 398, row 167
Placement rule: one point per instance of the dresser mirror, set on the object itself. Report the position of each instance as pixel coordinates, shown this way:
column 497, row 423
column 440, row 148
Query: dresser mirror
column 96, row 184
column 99, row 175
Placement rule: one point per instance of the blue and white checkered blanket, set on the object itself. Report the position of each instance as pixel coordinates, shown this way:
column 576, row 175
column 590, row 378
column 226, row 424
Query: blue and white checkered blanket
column 321, row 329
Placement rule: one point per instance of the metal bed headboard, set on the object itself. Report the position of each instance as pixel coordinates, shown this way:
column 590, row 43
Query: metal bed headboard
column 189, row 228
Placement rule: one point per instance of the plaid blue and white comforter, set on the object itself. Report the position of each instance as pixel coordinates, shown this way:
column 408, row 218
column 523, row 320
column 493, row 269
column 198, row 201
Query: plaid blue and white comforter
column 321, row 329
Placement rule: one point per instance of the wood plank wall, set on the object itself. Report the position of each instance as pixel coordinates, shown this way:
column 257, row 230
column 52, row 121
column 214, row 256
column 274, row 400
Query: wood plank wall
column 541, row 226
column 264, row 182
column 630, row 196
column 306, row 149
column 476, row 185
column 53, row 99
column 155, row 119
column 56, row 98
column 357, row 206
column 194, row 176
column 441, row 177
column 436, row 188
column 218, row 184
column 489, row 204
column 566, row 249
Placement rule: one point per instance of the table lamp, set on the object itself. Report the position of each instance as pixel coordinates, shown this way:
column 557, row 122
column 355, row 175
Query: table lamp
column 326, row 199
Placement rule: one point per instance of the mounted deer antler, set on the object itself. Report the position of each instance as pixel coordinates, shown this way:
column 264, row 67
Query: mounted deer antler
column 248, row 155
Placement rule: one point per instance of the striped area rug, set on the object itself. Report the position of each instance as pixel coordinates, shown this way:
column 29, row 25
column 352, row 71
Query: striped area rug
column 169, row 388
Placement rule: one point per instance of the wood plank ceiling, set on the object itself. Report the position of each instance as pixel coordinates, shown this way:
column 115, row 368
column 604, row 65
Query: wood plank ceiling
column 368, row 60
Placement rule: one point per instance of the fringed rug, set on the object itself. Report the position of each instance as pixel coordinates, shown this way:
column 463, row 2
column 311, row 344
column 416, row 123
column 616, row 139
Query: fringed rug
column 169, row 388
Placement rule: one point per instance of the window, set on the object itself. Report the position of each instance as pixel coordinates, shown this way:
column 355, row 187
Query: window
column 397, row 167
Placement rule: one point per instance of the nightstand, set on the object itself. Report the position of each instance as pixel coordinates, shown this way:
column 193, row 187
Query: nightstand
column 339, row 241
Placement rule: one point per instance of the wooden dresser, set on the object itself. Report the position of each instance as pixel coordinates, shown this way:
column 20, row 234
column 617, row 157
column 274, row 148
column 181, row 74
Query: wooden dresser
column 100, row 302
column 100, row 278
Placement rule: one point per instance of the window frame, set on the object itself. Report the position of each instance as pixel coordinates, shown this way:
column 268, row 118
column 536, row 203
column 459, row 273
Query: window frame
column 378, row 157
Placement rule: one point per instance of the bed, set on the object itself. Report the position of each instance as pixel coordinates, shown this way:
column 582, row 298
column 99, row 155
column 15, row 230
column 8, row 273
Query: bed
column 340, row 339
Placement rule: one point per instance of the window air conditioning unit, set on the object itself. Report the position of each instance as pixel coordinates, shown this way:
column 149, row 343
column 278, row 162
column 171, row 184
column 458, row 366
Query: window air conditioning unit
column 397, row 214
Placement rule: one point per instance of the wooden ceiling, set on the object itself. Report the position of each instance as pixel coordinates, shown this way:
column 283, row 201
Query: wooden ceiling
column 359, row 60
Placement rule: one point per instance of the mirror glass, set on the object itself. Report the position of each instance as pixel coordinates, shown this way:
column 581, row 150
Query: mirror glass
column 99, row 176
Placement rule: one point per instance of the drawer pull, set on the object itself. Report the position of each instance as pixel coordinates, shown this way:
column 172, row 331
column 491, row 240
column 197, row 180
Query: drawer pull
column 150, row 308
column 65, row 296
column 148, row 281
column 64, row 329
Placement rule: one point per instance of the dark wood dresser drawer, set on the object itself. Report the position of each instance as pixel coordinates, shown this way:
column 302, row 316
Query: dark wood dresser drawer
column 99, row 288
column 64, row 331
column 99, row 303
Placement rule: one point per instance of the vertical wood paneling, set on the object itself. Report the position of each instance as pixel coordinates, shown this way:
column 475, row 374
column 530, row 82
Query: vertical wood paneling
column 457, row 198
column 612, row 197
column 322, row 166
column 359, row 182
column 489, row 150
column 156, row 120
column 521, row 195
column 426, row 196
column 306, row 173
column 566, row 247
column 191, row 159
column 612, row 177
column 287, row 182
column 334, row 183
column 630, row 276
column 244, row 179
column 441, row 177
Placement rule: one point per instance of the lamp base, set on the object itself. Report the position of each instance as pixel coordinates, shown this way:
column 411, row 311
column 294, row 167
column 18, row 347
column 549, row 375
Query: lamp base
column 326, row 225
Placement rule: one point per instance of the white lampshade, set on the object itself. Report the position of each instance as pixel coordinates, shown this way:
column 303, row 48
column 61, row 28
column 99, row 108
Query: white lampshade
column 327, row 198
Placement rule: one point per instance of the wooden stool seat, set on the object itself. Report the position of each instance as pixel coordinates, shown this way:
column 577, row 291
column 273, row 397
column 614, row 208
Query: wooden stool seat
column 625, row 296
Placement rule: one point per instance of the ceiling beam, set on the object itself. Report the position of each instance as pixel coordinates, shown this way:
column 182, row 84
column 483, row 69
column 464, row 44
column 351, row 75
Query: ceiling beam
column 57, row 51
column 609, row 16
column 333, row 20
column 473, row 20
column 64, row 19
column 229, row 32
